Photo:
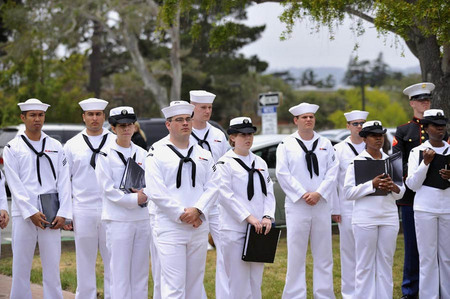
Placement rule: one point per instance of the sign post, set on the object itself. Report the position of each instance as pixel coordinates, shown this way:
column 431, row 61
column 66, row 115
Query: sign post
column 268, row 103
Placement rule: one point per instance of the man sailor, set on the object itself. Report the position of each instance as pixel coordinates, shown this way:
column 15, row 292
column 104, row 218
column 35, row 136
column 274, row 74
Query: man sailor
column 341, row 212
column 4, row 214
column 307, row 169
column 35, row 164
column 178, row 175
column 89, row 230
column 215, row 141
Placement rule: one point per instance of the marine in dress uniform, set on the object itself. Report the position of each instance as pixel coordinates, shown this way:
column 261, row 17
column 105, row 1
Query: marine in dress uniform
column 178, row 175
column 374, row 220
column 35, row 164
column 4, row 215
column 89, row 230
column 341, row 212
column 407, row 137
column 239, row 206
column 215, row 141
column 431, row 209
column 125, row 214
column 306, row 170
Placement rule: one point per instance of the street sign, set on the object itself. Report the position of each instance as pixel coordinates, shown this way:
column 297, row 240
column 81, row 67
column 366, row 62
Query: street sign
column 269, row 120
column 269, row 99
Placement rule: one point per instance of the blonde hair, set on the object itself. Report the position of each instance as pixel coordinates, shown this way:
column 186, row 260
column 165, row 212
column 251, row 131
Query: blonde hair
column 138, row 128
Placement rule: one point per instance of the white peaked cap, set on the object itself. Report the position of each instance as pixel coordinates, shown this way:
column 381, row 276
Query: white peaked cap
column 177, row 108
column 356, row 114
column 433, row 112
column 93, row 104
column 33, row 104
column 122, row 110
column 418, row 89
column 240, row 120
column 303, row 108
column 202, row 96
column 372, row 123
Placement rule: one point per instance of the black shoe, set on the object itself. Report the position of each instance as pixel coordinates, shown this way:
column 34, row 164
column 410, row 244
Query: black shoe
column 409, row 297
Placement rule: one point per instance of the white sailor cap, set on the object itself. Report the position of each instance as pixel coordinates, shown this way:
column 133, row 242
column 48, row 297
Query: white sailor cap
column 434, row 116
column 177, row 108
column 202, row 96
column 241, row 125
column 419, row 91
column 122, row 115
column 356, row 114
column 33, row 104
column 93, row 104
column 303, row 108
column 373, row 126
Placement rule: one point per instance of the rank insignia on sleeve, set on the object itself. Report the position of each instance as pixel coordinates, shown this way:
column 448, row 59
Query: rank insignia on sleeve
column 268, row 179
column 214, row 168
column 64, row 162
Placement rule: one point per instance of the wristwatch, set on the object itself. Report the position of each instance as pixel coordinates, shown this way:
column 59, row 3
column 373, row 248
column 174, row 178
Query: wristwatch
column 267, row 216
column 199, row 211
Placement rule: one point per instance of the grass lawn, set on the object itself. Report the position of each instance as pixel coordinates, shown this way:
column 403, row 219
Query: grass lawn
column 273, row 281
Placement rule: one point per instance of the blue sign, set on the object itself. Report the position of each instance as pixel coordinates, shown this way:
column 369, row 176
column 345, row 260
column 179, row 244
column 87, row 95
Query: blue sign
column 269, row 109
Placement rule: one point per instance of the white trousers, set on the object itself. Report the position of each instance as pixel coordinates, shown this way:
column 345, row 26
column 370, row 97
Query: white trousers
column 156, row 265
column 128, row 243
column 244, row 278
column 433, row 243
column 309, row 222
column 90, row 236
column 24, row 237
column 348, row 262
column 375, row 248
column 222, row 290
column 182, row 254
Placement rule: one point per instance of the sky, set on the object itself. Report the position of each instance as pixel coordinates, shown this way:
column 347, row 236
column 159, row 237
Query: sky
column 307, row 48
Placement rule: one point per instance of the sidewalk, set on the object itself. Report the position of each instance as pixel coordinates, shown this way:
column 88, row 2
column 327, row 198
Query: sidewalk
column 36, row 290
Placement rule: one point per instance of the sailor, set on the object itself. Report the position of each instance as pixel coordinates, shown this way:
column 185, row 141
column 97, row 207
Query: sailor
column 4, row 214
column 306, row 170
column 239, row 206
column 215, row 141
column 90, row 235
column 431, row 208
column 179, row 181
column 374, row 220
column 341, row 212
column 407, row 137
column 125, row 214
column 35, row 164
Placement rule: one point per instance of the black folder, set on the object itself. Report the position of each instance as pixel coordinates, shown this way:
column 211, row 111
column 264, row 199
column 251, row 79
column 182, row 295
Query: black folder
column 133, row 177
column 260, row 247
column 367, row 170
column 433, row 178
column 49, row 205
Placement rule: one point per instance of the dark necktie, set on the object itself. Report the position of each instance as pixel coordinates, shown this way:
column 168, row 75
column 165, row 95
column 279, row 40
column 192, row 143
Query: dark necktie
column 202, row 141
column 38, row 155
column 310, row 156
column 251, row 171
column 352, row 148
column 183, row 160
column 122, row 157
column 95, row 151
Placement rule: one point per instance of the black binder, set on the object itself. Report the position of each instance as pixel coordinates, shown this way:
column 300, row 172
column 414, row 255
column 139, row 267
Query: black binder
column 260, row 247
column 367, row 170
column 133, row 177
column 49, row 205
column 433, row 178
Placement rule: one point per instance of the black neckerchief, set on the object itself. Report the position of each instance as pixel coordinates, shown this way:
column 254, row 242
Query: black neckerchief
column 38, row 155
column 95, row 151
column 183, row 160
column 122, row 157
column 202, row 141
column 251, row 171
column 310, row 156
column 352, row 148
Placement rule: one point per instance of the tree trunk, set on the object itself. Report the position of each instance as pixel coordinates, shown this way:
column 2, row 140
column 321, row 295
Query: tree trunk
column 174, row 32
column 95, row 59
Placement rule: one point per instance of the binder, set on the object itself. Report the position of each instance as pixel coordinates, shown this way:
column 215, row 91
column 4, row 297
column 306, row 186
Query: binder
column 133, row 177
column 367, row 170
column 49, row 206
column 433, row 178
column 260, row 248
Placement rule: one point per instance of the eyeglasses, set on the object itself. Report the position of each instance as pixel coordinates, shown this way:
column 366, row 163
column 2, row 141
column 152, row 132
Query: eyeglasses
column 181, row 119
column 355, row 124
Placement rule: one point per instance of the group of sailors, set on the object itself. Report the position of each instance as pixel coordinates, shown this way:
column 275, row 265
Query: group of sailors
column 197, row 182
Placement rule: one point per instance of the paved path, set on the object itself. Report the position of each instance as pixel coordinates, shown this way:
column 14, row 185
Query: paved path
column 36, row 290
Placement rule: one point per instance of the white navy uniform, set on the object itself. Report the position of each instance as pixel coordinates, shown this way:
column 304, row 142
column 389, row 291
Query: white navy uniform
column 245, row 278
column 3, row 200
column 375, row 228
column 89, row 230
column 432, row 218
column 217, row 144
column 181, row 247
column 305, row 221
column 21, row 174
column 346, row 151
column 127, row 224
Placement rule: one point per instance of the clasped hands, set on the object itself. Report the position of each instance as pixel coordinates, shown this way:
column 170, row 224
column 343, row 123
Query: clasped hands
column 384, row 182
column 40, row 220
column 191, row 216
